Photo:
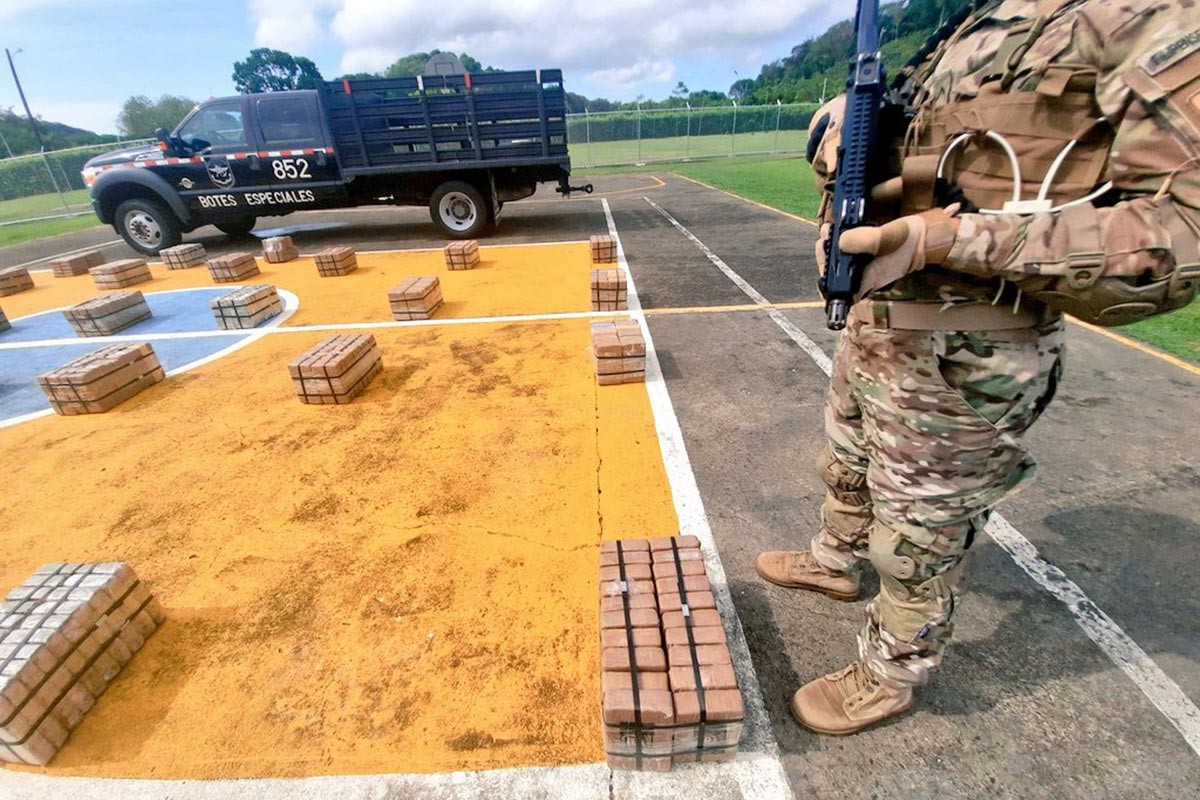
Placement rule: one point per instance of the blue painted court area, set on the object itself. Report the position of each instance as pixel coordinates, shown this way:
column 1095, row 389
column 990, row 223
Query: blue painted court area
column 174, row 312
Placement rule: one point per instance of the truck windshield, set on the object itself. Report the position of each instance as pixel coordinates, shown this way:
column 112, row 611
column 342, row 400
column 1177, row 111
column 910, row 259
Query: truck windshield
column 216, row 125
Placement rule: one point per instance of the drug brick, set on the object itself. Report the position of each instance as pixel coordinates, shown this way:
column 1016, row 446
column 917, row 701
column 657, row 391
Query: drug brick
column 634, row 572
column 656, row 706
column 683, row 655
column 625, row 546
column 336, row 370
column 279, row 249
column 649, row 659
column 612, row 680
column 616, row 588
column 102, row 379
column 336, row 261
column 635, row 601
column 637, row 557
column 712, row 676
column 704, row 617
column 669, row 543
column 14, row 280
column 619, row 637
column 232, row 267
column 79, row 264
column 691, row 583
column 668, row 569
column 246, row 307
column 638, row 618
column 120, row 274
column 184, row 256
column 107, row 314
column 670, row 601
column 462, row 255
column 415, row 298
column 604, row 249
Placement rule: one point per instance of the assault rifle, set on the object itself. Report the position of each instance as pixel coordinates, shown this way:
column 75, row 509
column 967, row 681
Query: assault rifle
column 864, row 96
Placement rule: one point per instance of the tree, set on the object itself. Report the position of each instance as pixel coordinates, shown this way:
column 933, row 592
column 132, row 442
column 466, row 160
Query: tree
column 680, row 91
column 140, row 115
column 268, row 70
column 741, row 88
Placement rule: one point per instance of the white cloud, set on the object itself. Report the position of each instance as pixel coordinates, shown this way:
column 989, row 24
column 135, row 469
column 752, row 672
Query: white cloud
column 93, row 115
column 617, row 43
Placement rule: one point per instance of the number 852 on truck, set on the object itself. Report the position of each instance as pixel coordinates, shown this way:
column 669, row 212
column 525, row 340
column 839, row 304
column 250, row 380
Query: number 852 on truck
column 462, row 144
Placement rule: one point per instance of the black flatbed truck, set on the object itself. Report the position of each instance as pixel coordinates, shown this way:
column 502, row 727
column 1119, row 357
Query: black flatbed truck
column 462, row 144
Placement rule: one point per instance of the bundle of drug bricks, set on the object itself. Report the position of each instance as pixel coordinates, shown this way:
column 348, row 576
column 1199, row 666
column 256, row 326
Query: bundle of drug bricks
column 337, row 369
column 619, row 351
column 70, row 266
column 604, row 249
column 279, row 249
column 246, row 306
column 65, row 633
column 102, row 379
column 415, row 298
column 232, row 267
column 120, row 274
column 670, row 695
column 13, row 280
column 184, row 256
column 609, row 290
column 335, row 261
column 107, row 314
column 462, row 255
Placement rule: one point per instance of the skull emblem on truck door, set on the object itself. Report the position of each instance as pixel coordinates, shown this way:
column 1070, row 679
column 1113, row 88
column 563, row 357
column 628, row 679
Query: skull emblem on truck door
column 221, row 174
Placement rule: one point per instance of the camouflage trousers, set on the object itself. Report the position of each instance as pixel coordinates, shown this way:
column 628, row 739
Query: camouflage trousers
column 924, row 432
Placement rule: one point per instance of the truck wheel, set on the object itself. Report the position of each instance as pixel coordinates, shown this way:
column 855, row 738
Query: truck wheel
column 459, row 209
column 147, row 226
column 237, row 227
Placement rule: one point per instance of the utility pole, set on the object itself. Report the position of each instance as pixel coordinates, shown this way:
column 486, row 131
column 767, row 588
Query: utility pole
column 37, row 135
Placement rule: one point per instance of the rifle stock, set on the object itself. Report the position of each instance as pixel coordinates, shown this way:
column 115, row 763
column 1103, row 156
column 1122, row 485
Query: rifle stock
column 864, row 96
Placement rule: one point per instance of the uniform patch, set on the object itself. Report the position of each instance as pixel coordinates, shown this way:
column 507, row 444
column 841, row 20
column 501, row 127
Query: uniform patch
column 1164, row 57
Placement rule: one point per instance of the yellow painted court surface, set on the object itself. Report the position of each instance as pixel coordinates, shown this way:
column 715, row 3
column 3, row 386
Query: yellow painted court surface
column 403, row 584
column 530, row 279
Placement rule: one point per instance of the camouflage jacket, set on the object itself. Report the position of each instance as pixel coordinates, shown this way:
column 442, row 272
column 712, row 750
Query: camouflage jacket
column 1140, row 62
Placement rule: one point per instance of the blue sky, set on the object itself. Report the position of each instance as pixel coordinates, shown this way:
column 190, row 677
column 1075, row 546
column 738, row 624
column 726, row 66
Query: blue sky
column 81, row 58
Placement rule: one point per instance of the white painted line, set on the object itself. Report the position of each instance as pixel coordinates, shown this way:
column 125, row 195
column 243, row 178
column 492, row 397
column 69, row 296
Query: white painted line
column 76, row 251
column 795, row 334
column 276, row 329
column 1159, row 689
column 758, row 762
column 1155, row 684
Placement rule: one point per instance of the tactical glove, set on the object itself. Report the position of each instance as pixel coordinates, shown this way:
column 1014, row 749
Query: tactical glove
column 901, row 246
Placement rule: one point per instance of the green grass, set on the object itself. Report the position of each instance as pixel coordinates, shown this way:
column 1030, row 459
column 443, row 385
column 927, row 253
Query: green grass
column 29, row 231
column 42, row 205
column 1177, row 333
column 675, row 148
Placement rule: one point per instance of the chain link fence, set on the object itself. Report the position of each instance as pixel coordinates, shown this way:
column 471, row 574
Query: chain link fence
column 616, row 138
column 48, row 185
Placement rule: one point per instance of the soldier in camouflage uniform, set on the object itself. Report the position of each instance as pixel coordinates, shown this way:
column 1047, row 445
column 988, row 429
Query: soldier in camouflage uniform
column 956, row 347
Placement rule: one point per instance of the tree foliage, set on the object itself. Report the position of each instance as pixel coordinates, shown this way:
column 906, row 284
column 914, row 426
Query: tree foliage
column 267, row 70
column 18, row 138
column 140, row 115
column 414, row 64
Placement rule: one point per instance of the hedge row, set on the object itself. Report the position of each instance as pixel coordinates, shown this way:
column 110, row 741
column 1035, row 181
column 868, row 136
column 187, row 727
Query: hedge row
column 28, row 176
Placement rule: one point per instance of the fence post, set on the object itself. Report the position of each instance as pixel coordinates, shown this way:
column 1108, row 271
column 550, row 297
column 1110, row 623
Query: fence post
column 778, row 118
column 687, row 137
column 733, row 137
column 53, row 180
column 587, row 126
column 639, row 132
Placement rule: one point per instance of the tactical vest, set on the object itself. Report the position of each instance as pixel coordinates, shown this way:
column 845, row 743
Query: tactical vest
column 1039, row 112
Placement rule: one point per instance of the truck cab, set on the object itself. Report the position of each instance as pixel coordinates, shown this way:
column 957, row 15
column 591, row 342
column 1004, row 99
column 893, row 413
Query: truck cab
column 463, row 146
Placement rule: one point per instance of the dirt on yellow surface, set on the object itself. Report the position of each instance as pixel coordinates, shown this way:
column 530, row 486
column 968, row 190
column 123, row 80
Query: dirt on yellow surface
column 509, row 280
column 403, row 584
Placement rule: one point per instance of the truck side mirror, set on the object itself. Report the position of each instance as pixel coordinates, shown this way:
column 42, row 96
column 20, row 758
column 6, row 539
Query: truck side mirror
column 164, row 140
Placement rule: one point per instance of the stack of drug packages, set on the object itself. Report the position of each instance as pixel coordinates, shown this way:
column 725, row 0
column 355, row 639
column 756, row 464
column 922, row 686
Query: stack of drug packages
column 670, row 695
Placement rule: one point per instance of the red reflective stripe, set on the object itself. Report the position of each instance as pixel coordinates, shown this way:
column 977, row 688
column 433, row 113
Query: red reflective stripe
column 467, row 77
column 346, row 85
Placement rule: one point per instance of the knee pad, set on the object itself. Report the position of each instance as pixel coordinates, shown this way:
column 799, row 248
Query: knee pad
column 844, row 483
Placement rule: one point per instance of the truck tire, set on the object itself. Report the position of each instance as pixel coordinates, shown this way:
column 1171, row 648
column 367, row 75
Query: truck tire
column 147, row 226
column 460, row 210
column 237, row 227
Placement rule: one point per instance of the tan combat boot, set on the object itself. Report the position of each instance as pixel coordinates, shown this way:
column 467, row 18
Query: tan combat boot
column 799, row 570
column 847, row 701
